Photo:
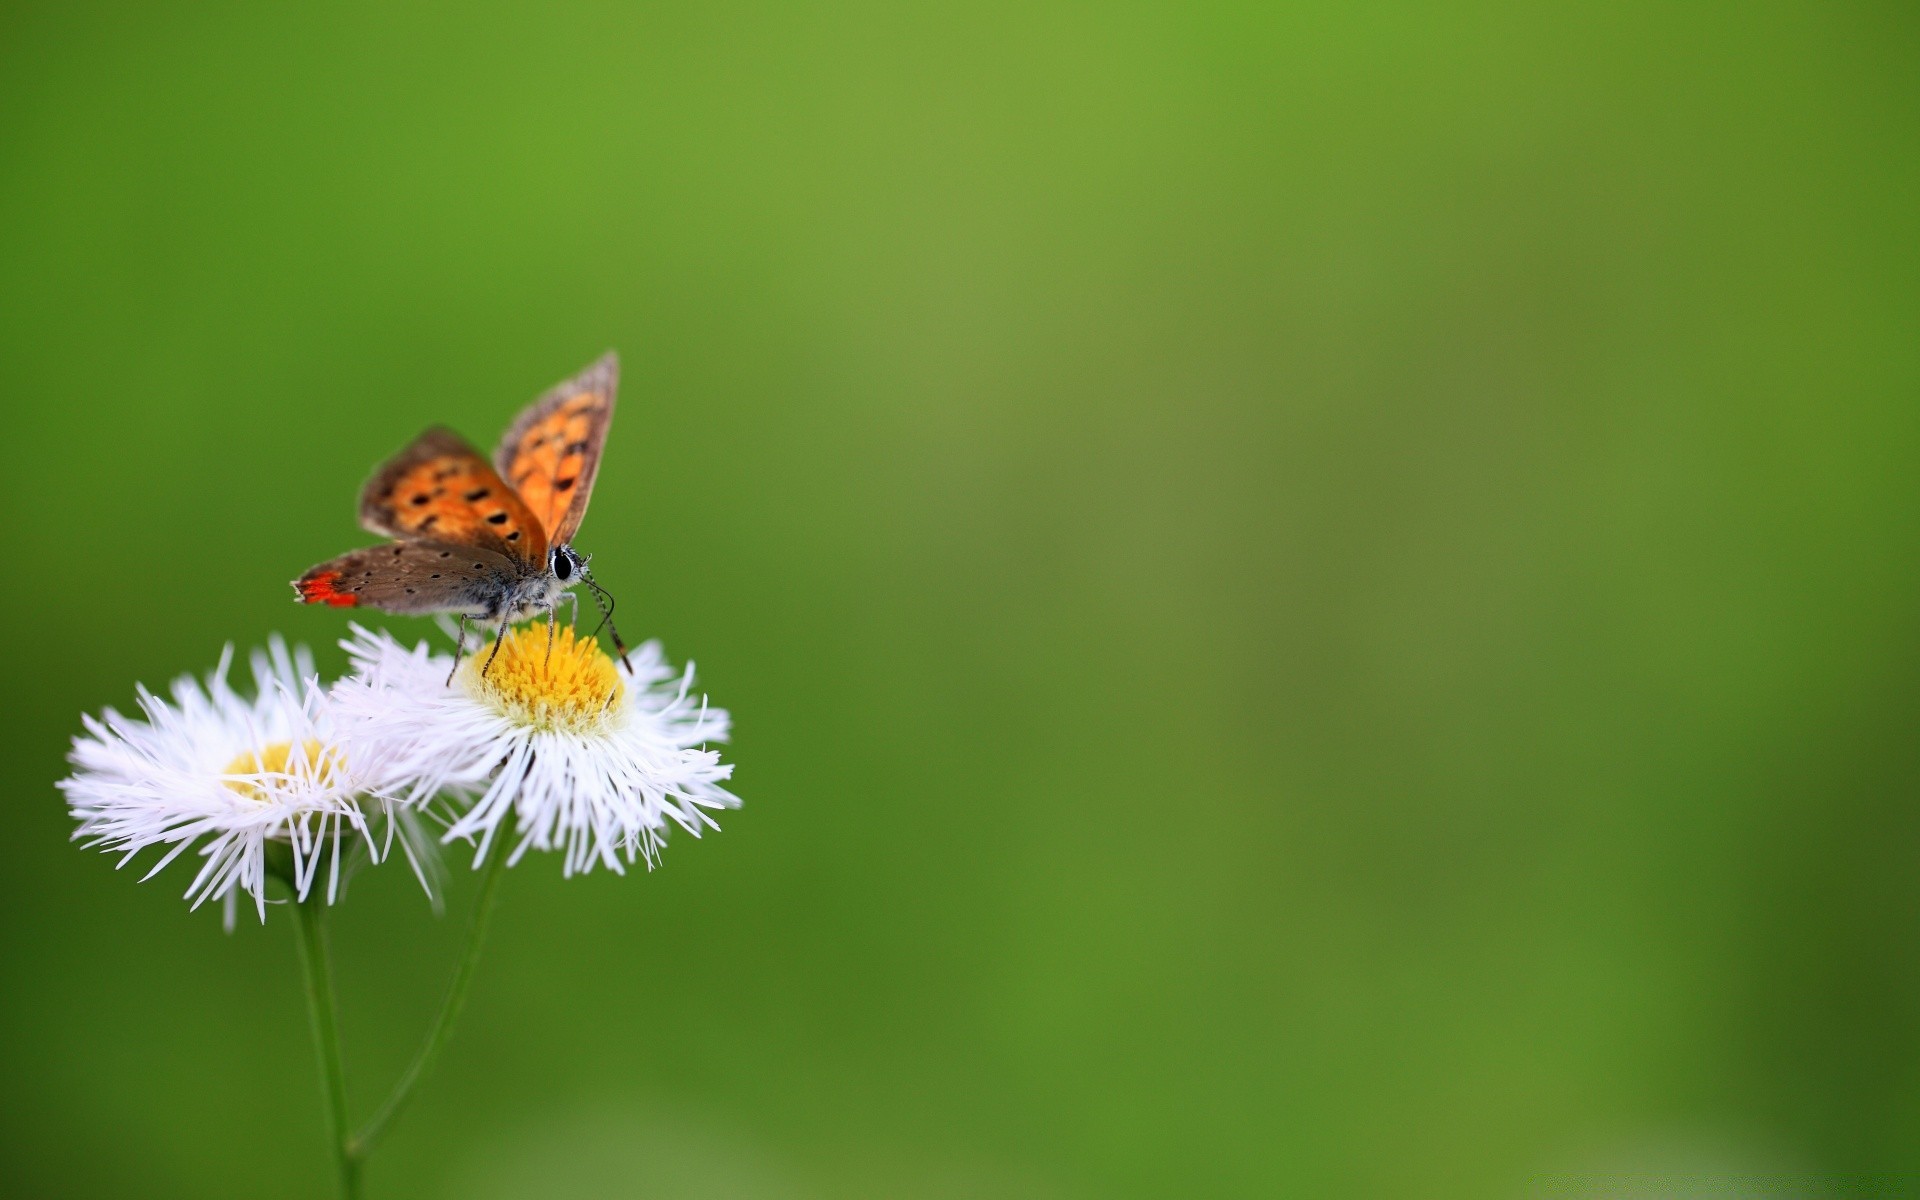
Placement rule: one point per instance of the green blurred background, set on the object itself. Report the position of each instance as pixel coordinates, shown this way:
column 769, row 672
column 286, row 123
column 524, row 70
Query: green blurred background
column 1319, row 599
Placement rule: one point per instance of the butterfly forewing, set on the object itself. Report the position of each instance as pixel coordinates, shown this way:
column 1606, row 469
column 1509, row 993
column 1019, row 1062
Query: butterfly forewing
column 440, row 489
column 411, row 577
column 551, row 452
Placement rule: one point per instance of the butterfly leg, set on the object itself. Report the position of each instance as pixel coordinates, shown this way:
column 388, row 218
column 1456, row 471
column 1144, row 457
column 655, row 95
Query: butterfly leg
column 459, row 649
column 553, row 615
column 498, row 637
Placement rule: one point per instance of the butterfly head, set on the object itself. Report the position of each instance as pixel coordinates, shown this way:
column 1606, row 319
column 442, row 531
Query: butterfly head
column 566, row 564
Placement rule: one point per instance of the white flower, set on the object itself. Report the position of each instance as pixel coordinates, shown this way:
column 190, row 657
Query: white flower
column 588, row 759
column 233, row 775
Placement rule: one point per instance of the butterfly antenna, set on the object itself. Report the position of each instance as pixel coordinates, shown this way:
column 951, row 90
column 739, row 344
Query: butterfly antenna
column 603, row 600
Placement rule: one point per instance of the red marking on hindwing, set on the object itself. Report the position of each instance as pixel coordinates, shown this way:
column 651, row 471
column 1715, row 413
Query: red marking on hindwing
column 320, row 589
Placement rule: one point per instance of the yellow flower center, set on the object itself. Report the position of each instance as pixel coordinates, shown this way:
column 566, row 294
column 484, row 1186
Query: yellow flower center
column 319, row 764
column 570, row 687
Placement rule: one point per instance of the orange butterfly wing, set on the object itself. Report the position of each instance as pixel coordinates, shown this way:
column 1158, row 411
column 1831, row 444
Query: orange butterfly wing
column 440, row 489
column 551, row 452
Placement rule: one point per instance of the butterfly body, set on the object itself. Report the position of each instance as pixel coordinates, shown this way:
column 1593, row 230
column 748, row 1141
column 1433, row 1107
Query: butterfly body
column 465, row 540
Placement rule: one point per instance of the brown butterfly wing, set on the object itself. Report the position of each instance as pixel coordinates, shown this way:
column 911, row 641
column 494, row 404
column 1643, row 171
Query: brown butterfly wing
column 440, row 489
column 412, row 577
column 551, row 452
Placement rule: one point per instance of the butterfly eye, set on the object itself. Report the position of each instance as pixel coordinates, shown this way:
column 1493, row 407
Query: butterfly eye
column 562, row 565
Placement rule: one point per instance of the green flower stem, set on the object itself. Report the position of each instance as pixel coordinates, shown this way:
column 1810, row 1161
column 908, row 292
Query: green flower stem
column 326, row 1034
column 442, row 1031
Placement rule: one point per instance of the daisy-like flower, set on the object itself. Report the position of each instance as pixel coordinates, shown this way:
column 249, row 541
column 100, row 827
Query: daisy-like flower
column 239, row 777
column 573, row 753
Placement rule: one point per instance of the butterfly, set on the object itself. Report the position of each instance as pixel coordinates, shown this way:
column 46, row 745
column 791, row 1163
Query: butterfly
column 489, row 542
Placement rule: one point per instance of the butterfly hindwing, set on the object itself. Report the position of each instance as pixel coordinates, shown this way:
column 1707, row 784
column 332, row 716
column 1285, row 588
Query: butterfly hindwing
column 411, row 577
column 551, row 452
column 440, row 489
